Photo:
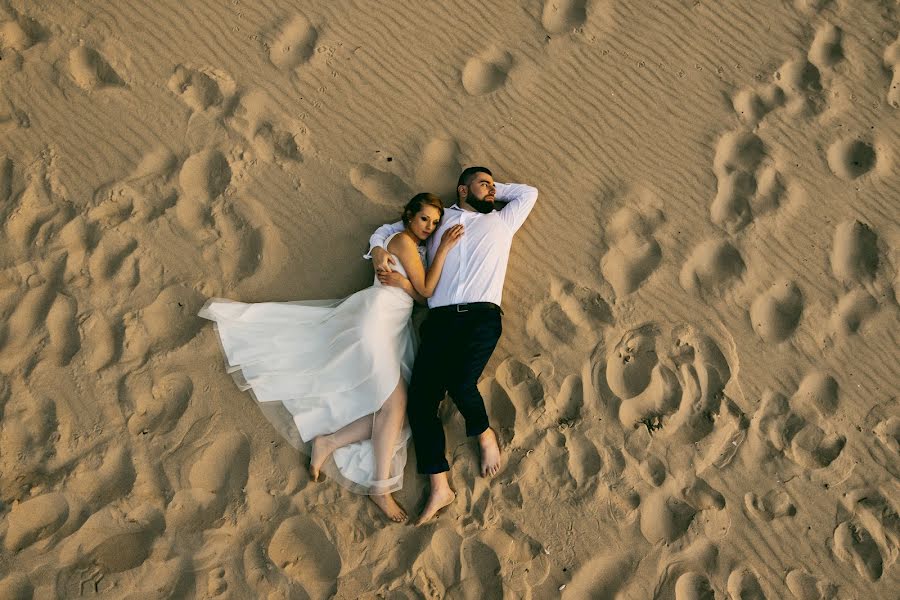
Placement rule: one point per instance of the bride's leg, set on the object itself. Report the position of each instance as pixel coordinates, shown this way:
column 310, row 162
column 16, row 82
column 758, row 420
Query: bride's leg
column 388, row 424
column 324, row 445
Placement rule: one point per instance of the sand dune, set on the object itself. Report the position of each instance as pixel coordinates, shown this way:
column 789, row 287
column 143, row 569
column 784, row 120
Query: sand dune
column 697, row 385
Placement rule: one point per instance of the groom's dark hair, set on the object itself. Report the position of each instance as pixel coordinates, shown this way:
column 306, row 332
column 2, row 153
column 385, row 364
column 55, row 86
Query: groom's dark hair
column 468, row 174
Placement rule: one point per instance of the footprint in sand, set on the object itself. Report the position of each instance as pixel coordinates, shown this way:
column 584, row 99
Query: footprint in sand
column 26, row 441
column 214, row 482
column 64, row 340
column 802, row 84
column 854, row 262
column 854, row 253
column 486, row 72
column 804, row 586
column 747, row 187
column 713, row 266
column 513, row 398
column 887, row 452
column 293, row 44
column 798, row 429
column 851, row 310
column 743, row 584
column 439, row 168
column 38, row 212
column 571, row 316
column 667, row 511
column 438, row 565
column 772, row 505
column 27, row 327
column 110, row 261
column 111, row 540
column 142, row 196
column 379, row 186
column 870, row 539
column 14, row 36
column 202, row 89
column 751, row 105
column 34, row 520
column 892, row 62
column 775, row 313
column 217, row 222
column 158, row 404
column 693, row 586
column 602, row 576
column 648, row 390
column 826, row 50
column 271, row 133
column 673, row 386
column 168, row 322
column 302, row 550
column 98, row 482
column 560, row 16
column 851, row 158
column 585, row 460
column 90, row 70
column 634, row 254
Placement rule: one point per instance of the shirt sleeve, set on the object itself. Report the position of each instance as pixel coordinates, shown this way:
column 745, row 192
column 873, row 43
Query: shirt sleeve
column 520, row 199
column 381, row 234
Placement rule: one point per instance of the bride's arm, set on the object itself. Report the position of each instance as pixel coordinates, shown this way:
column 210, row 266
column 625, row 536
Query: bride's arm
column 405, row 249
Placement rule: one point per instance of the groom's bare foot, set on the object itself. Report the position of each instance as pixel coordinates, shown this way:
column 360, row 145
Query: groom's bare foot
column 441, row 496
column 389, row 507
column 490, row 453
column 436, row 501
column 322, row 448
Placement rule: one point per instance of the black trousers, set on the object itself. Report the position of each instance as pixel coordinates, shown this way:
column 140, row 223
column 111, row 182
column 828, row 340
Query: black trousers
column 454, row 349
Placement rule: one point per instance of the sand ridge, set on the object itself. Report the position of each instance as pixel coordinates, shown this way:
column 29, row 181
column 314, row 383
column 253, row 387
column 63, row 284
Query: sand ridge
column 696, row 390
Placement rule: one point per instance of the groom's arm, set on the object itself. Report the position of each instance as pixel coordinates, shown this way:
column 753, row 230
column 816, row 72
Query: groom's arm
column 520, row 199
column 381, row 259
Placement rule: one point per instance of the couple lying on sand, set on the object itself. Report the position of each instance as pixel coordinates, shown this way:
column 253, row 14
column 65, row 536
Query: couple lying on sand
column 348, row 372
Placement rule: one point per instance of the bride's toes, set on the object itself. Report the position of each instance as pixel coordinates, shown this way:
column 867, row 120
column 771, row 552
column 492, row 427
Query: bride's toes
column 389, row 507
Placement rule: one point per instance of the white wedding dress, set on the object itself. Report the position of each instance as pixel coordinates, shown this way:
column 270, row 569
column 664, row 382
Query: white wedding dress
column 317, row 366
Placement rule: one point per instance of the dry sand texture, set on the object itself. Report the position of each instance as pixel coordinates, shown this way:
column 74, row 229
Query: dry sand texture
column 697, row 386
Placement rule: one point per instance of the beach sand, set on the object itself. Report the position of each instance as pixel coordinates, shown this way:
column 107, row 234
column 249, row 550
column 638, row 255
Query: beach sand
column 697, row 385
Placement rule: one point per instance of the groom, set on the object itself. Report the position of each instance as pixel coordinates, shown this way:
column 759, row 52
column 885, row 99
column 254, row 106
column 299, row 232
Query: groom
column 464, row 323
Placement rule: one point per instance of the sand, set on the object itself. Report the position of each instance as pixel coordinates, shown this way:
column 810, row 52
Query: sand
column 697, row 385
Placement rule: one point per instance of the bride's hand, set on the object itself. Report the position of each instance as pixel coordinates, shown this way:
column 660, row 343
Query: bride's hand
column 452, row 236
column 394, row 279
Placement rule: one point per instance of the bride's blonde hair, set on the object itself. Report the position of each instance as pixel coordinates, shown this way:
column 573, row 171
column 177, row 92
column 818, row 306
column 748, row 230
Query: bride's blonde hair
column 416, row 203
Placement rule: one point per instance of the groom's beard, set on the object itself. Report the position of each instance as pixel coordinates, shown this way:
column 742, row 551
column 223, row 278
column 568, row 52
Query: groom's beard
column 482, row 206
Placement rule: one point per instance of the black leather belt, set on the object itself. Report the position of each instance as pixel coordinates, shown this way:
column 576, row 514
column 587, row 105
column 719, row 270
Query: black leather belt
column 464, row 308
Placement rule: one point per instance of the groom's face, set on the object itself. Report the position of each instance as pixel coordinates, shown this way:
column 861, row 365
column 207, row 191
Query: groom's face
column 480, row 192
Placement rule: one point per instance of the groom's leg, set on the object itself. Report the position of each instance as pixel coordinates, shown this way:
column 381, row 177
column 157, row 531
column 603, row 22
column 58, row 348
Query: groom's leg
column 426, row 391
column 479, row 333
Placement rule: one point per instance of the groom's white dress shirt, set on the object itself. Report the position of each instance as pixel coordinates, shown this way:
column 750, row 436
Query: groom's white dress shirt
column 475, row 268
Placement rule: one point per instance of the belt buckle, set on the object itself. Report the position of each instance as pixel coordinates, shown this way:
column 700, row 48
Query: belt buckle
column 459, row 306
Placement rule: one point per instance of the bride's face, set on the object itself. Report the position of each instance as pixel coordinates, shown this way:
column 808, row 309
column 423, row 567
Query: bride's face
column 425, row 222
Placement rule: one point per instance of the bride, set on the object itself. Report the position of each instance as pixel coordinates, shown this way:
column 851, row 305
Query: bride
column 334, row 372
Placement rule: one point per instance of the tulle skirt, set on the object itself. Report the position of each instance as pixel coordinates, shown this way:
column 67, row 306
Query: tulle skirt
column 316, row 366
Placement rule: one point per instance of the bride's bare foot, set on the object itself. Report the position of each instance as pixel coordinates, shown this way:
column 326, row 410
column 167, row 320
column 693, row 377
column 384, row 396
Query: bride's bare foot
column 490, row 453
column 389, row 507
column 322, row 448
column 441, row 496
